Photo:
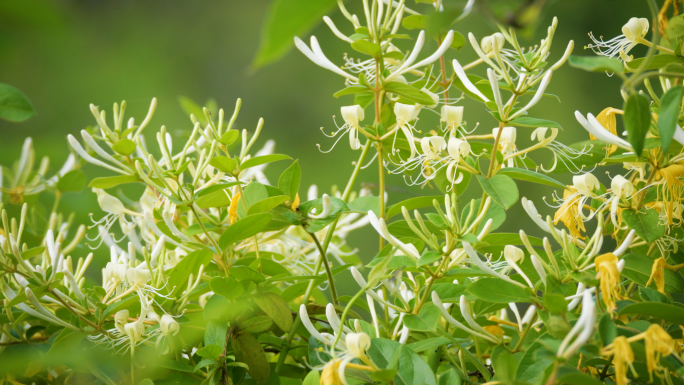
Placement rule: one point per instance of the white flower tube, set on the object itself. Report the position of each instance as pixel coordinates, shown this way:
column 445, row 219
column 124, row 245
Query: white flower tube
column 539, row 268
column 321, row 60
column 480, row 264
column 531, row 210
column 76, row 145
column 584, row 326
column 466, row 82
column 595, row 128
column 537, row 96
column 445, row 313
column 380, row 226
column 327, row 207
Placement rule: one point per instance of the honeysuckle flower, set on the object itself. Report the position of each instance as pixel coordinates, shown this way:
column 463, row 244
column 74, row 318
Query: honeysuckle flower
column 380, row 226
column 327, row 207
column 586, row 184
column 452, row 116
column 623, row 357
column 531, row 210
column 601, row 133
column 475, row 259
column 408, row 64
column 658, row 344
column 405, row 114
column 76, row 145
column 120, row 320
column 632, row 34
column 622, row 189
column 513, row 255
column 316, row 55
column 506, row 142
column 351, row 116
column 468, row 316
column 138, row 277
column 609, row 274
column 583, row 328
column 460, row 73
column 539, row 268
column 168, row 325
column 493, row 42
column 545, row 137
column 537, row 95
column 658, row 274
column 451, row 320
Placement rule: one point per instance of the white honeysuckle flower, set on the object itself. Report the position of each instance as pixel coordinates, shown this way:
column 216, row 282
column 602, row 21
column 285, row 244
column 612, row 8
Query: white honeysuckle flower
column 531, row 210
column 513, row 255
column 632, row 33
column 452, row 116
column 429, row 162
column 316, row 55
column 408, row 65
column 493, row 42
column 204, row 298
column 595, row 128
column 451, row 320
column 625, row 244
column 622, row 187
column 380, row 226
column 327, row 207
column 475, row 259
column 352, row 115
column 405, row 114
column 433, row 96
column 312, row 192
column 494, row 84
column 560, row 151
column 468, row 316
column 138, row 277
column 121, row 319
column 466, row 82
column 69, row 165
column 76, row 145
column 506, row 142
column 583, row 329
column 168, row 325
column 458, row 149
column 537, row 96
column 529, row 314
column 539, row 268
column 586, row 184
column 432, row 146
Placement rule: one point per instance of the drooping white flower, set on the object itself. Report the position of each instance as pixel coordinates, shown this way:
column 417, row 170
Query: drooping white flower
column 583, row 328
column 168, row 325
column 586, row 184
column 460, row 73
column 405, row 114
column 452, row 116
column 458, row 149
column 494, row 42
column 327, row 207
column 632, row 34
column 513, row 255
column 601, row 133
column 506, row 142
column 380, row 226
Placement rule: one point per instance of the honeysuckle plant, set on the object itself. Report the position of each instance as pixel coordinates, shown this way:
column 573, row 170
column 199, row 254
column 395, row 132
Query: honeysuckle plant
column 217, row 273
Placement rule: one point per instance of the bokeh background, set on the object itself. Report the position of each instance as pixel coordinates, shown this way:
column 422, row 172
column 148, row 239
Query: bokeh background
column 66, row 54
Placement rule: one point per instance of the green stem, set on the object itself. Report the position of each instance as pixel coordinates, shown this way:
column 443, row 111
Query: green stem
column 381, row 192
column 317, row 268
column 524, row 334
column 324, row 259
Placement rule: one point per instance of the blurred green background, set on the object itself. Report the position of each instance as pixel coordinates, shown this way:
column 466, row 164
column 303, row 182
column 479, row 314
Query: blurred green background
column 66, row 54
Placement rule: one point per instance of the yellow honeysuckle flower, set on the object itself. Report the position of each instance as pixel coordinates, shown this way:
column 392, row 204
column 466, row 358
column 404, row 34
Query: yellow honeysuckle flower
column 609, row 274
column 658, row 344
column 232, row 210
column 672, row 192
column 623, row 357
column 329, row 375
column 608, row 120
column 658, row 274
column 568, row 213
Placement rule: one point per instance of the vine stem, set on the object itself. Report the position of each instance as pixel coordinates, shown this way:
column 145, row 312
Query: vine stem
column 324, row 260
column 328, row 237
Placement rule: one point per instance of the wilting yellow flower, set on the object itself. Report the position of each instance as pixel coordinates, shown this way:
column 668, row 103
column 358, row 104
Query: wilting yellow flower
column 672, row 192
column 232, row 210
column 623, row 357
column 608, row 120
column 658, row 274
column 568, row 213
column 496, row 329
column 295, row 204
column 658, row 344
column 330, row 375
column 609, row 274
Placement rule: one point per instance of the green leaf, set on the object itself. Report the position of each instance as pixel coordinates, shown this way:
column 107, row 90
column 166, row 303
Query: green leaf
column 287, row 19
column 226, row 287
column 259, row 160
column 173, row 365
column 267, row 204
column 555, row 303
column 411, row 368
column 664, row 311
column 499, row 291
column 450, row 377
column 525, row 121
column 223, row 163
column 669, row 114
column 211, row 352
column 657, row 62
column 367, row 47
column 247, row 349
column 413, row 203
column 427, row 344
column 351, row 90
column 313, row 378
column 190, row 264
column 638, row 269
column 495, row 212
column 503, row 239
column 429, row 258
column 14, row 105
column 409, row 92
column 426, row 319
column 314, row 225
column 244, row 228
column 530, row 176
column 637, row 118
column 229, row 137
column 596, row 63
column 415, row 22
column 577, row 378
column 501, row 188
column 215, row 333
column 646, row 223
column 124, row 147
column 74, row 180
column 483, row 369
column 106, row 182
column 289, row 180
column 365, row 204
column 276, row 308
column 256, row 325
column 220, row 198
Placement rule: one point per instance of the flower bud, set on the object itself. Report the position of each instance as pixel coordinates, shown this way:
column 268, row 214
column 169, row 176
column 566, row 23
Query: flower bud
column 635, row 28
